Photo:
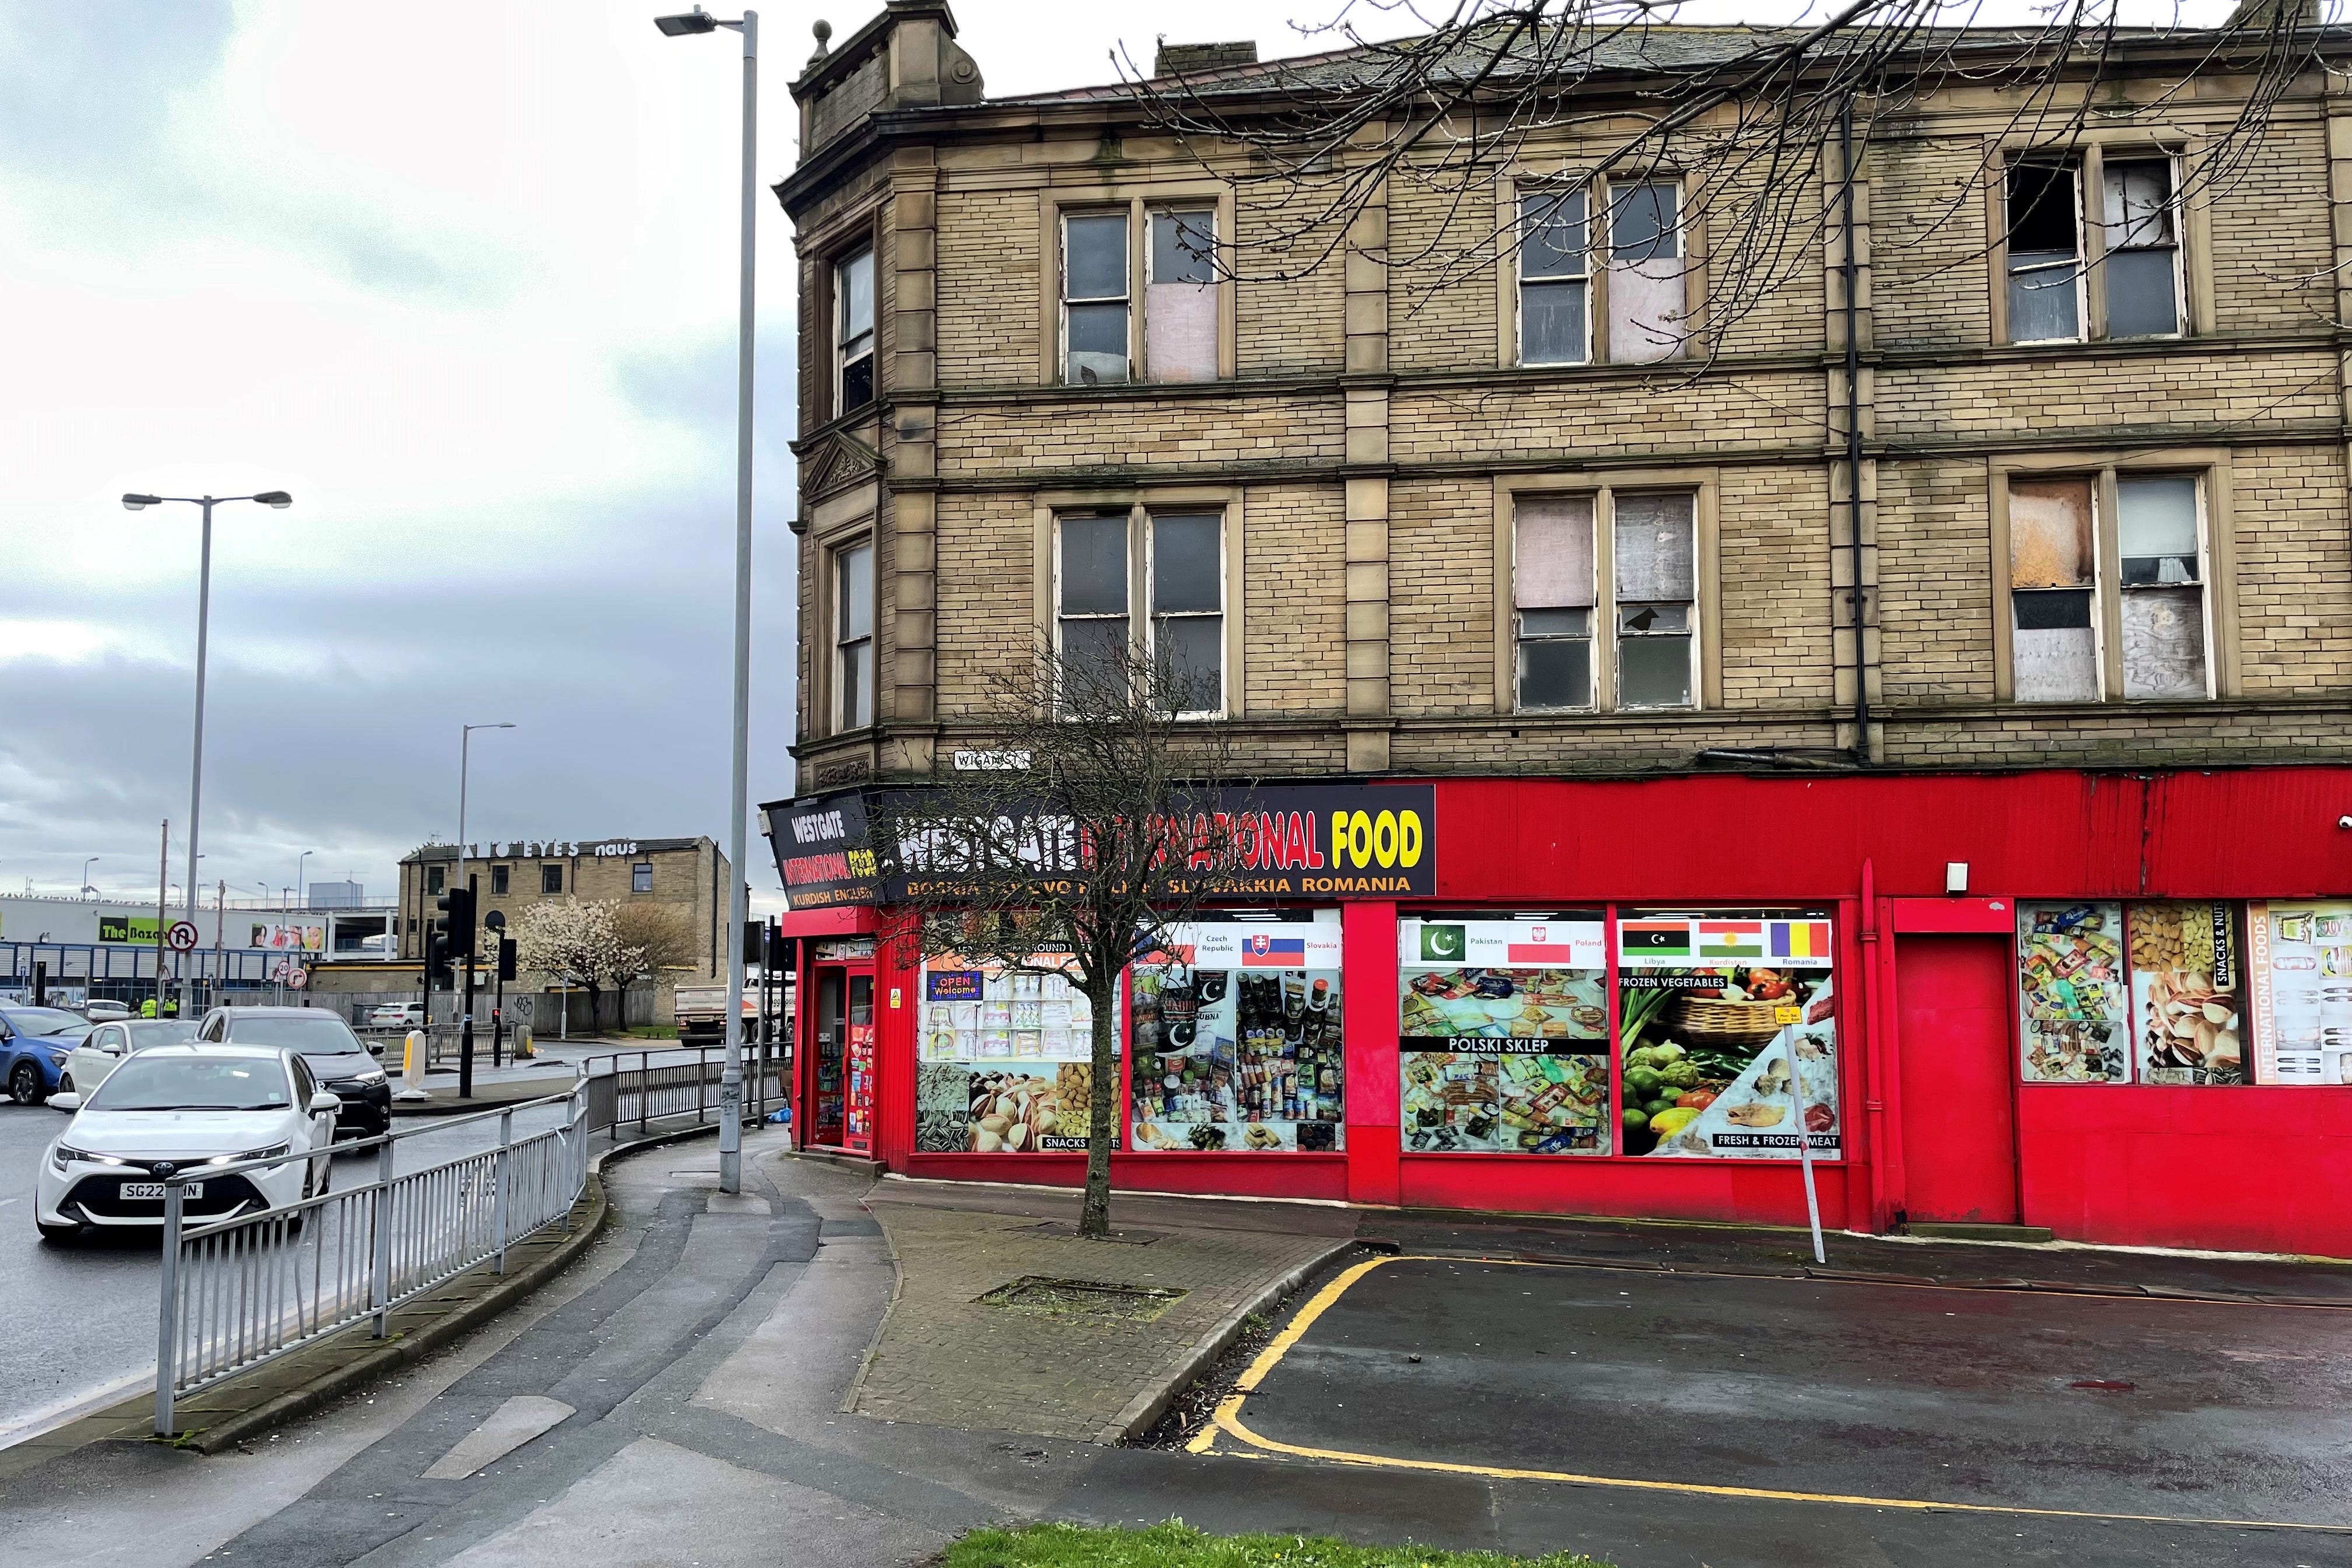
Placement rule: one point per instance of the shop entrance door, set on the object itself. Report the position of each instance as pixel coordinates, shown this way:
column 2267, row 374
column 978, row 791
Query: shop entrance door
column 1959, row 1136
column 841, row 1065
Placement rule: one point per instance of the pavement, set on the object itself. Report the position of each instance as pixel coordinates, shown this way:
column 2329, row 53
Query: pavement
column 1676, row 1396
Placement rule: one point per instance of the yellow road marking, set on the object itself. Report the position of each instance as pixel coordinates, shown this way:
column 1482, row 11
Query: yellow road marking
column 1228, row 1419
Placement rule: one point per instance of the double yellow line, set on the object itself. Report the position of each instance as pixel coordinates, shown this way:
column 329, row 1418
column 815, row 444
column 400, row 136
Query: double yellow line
column 1228, row 1419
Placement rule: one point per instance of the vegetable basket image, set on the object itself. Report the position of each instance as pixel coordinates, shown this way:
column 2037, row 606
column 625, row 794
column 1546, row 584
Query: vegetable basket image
column 1711, row 1020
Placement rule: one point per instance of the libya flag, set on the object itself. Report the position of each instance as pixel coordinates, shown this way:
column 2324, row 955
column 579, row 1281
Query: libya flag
column 1655, row 938
column 1444, row 943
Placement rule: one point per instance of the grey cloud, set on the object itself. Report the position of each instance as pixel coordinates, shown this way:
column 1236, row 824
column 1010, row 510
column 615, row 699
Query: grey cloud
column 91, row 83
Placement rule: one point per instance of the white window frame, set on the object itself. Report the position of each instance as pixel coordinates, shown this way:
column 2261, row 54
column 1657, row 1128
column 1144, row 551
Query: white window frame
column 843, row 342
column 1142, row 615
column 1151, row 515
column 1606, row 681
column 1126, row 518
column 1533, row 190
column 1126, row 300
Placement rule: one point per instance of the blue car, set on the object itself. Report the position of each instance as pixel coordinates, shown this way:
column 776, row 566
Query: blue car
column 34, row 1045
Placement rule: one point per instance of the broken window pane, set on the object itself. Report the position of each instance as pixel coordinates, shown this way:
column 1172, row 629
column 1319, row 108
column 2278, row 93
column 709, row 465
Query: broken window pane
column 2163, row 643
column 2143, row 285
column 1655, row 549
column 2050, row 533
column 2044, row 253
column 1551, row 323
column 1094, row 565
column 2156, row 530
column 1555, row 649
column 2053, row 649
column 1552, row 563
column 1552, row 279
column 1179, row 302
column 1646, row 295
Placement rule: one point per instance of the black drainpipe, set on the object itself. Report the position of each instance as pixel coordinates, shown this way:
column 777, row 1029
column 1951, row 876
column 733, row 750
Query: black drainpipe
column 1853, row 443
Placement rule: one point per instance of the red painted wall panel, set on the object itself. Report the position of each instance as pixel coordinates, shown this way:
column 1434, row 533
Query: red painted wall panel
column 1748, row 1193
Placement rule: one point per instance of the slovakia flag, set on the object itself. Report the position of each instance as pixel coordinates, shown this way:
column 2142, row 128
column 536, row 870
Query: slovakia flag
column 1274, row 951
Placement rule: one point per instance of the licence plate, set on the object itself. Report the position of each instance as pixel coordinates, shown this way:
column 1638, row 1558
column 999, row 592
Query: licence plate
column 155, row 1190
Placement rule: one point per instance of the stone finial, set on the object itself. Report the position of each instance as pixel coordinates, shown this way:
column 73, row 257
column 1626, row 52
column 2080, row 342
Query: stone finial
column 823, row 31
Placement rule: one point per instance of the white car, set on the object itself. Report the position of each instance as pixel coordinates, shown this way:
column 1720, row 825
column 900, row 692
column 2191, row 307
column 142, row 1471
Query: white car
column 169, row 1109
column 104, row 1047
column 397, row 1015
column 103, row 1011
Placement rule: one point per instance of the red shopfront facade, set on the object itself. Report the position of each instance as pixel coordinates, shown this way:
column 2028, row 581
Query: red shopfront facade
column 1998, row 1055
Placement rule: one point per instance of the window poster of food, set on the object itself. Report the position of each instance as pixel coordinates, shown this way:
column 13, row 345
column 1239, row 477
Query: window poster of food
column 2185, row 991
column 2072, row 994
column 1003, row 1061
column 2299, row 958
column 1502, row 1031
column 1238, row 1042
column 1728, row 1026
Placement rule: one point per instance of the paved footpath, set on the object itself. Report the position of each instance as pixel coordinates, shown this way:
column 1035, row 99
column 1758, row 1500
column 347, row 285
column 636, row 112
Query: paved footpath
column 676, row 1399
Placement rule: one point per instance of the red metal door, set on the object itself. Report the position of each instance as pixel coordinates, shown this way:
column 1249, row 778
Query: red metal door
column 1959, row 1137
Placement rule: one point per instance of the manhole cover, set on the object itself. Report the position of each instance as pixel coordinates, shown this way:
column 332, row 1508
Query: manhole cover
column 1083, row 1297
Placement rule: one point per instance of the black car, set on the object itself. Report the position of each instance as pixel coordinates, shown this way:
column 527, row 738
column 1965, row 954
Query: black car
column 325, row 1043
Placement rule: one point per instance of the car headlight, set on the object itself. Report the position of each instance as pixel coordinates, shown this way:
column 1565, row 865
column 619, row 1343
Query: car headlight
column 62, row 1156
column 276, row 1151
column 372, row 1075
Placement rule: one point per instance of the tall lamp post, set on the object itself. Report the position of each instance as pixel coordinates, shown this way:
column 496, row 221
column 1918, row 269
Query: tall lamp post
column 465, row 1018
column 280, row 501
column 299, row 901
column 85, row 872
column 730, row 1077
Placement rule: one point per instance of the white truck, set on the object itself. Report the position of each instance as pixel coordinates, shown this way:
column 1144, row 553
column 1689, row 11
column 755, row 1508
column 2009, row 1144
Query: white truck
column 702, row 1010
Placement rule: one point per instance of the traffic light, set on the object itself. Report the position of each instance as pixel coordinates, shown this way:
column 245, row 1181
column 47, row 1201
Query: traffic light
column 437, row 971
column 506, row 958
column 458, row 903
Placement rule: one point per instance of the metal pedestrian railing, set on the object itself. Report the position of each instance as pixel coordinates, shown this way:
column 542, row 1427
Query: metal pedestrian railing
column 684, row 1081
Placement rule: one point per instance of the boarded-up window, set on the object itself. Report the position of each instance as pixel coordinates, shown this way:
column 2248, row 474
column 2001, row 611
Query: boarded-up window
column 1646, row 269
column 1656, row 582
column 2160, row 550
column 1179, row 297
column 1552, row 596
column 2053, row 579
column 2045, row 252
column 2143, row 249
column 1555, row 277
column 1094, row 297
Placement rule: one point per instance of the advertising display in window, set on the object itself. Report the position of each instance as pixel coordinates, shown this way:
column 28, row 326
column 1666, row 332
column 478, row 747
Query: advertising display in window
column 1727, row 1029
column 2073, row 999
column 1502, row 1031
column 2299, row 954
column 2185, row 991
column 1238, row 1039
column 1003, row 1061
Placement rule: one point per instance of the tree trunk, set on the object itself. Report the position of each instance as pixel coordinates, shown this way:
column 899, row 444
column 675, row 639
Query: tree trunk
column 1093, row 1215
column 595, row 1008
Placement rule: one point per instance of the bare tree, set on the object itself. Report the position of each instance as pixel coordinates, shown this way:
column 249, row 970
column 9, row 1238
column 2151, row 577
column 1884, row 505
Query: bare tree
column 1744, row 115
column 1091, row 834
column 659, row 933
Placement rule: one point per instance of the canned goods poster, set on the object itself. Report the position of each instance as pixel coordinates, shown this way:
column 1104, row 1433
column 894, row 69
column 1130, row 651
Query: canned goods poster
column 1728, row 1029
column 1003, row 1061
column 1503, row 1033
column 1238, row 1040
column 2073, row 1000
column 2300, row 955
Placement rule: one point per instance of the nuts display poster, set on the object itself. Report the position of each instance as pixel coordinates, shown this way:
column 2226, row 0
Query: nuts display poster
column 2186, row 1005
column 1003, row 1060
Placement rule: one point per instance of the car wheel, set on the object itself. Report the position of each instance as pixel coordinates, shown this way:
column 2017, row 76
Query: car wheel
column 65, row 1083
column 57, row 1235
column 25, row 1085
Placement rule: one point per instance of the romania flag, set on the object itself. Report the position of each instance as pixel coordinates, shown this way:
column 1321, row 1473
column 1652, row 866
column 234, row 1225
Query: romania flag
column 1800, row 938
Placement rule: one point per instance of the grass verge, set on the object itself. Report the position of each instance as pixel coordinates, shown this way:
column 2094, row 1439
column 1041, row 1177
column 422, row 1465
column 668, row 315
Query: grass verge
column 1176, row 1544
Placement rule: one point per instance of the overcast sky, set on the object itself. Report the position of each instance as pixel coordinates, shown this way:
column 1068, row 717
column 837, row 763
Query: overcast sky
column 461, row 278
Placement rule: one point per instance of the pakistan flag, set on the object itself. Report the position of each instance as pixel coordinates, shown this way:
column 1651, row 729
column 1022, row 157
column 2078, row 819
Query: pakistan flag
column 1444, row 944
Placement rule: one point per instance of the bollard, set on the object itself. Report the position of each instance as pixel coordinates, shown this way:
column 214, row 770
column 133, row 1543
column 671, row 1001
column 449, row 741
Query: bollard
column 412, row 1068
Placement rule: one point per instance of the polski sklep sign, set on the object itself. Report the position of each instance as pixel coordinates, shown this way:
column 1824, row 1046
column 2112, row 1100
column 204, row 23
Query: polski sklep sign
column 1305, row 841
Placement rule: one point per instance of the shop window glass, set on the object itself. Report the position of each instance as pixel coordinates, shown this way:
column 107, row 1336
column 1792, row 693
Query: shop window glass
column 1005, row 1059
column 2143, row 249
column 1179, row 297
column 1552, row 596
column 1555, row 279
column 1656, row 584
column 2045, row 252
column 1645, row 272
column 2054, row 646
column 1239, row 1046
column 2299, row 960
column 1502, row 1031
column 1726, row 1025
column 1094, row 297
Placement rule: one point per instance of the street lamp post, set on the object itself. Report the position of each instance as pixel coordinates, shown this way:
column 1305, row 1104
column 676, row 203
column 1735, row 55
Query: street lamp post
column 299, row 901
column 280, row 501
column 730, row 1079
column 465, row 1016
column 85, row 872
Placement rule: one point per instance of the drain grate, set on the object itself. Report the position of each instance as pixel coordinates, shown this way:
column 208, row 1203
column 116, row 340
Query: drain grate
column 1083, row 1299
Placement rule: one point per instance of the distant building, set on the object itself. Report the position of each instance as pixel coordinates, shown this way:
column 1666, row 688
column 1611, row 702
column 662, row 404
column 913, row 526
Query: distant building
column 687, row 875
column 337, row 895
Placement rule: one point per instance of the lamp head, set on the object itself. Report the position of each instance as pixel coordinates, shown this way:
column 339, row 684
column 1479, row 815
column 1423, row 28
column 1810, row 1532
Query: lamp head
column 277, row 499
column 690, row 23
column 134, row 504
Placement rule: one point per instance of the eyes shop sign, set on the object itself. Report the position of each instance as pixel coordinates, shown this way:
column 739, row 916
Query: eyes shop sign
column 1282, row 842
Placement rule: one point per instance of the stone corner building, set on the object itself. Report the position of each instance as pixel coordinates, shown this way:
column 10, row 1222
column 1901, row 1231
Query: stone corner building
column 1996, row 569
